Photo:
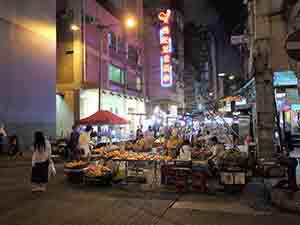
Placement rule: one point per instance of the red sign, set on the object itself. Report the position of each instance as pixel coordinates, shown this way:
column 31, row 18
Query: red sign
column 166, row 49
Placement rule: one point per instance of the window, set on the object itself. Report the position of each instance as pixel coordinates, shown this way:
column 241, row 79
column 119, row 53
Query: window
column 121, row 46
column 116, row 74
column 132, row 54
column 112, row 41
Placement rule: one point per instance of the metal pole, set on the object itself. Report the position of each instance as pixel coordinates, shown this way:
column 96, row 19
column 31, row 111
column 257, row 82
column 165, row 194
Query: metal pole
column 100, row 69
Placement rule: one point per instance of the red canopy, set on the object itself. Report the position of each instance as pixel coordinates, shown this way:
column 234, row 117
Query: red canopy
column 103, row 117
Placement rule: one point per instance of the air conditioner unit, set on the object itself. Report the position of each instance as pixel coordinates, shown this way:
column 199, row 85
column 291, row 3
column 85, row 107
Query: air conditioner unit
column 90, row 19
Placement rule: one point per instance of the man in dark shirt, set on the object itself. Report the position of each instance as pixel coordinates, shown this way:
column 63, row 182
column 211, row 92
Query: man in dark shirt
column 72, row 147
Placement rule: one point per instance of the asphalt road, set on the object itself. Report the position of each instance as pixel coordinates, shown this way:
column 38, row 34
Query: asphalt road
column 66, row 204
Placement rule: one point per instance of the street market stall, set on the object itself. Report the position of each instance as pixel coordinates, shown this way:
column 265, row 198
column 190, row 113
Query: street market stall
column 79, row 171
column 167, row 158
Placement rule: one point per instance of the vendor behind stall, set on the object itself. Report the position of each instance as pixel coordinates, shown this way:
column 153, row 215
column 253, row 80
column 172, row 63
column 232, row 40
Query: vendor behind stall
column 149, row 138
column 139, row 133
column 217, row 152
column 84, row 141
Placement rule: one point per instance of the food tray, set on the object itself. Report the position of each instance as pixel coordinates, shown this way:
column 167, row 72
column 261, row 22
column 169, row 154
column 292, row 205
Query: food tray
column 102, row 180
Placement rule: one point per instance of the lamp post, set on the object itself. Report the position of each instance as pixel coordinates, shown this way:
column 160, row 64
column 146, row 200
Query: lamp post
column 129, row 23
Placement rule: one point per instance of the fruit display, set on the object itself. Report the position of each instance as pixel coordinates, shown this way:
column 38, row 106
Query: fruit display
column 159, row 142
column 97, row 171
column 161, row 158
column 200, row 154
column 129, row 145
column 139, row 145
column 118, row 154
column 173, row 142
column 76, row 165
column 125, row 155
column 232, row 157
column 100, row 151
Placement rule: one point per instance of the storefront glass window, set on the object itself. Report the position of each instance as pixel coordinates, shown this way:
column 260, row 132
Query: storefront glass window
column 112, row 41
column 116, row 74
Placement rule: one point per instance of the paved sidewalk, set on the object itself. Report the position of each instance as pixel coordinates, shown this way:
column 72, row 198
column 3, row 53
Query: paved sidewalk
column 67, row 204
column 286, row 200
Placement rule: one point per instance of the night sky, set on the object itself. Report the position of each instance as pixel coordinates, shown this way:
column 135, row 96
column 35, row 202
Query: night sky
column 233, row 12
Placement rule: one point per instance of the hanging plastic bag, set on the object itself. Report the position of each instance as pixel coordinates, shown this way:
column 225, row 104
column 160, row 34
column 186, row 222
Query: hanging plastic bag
column 52, row 170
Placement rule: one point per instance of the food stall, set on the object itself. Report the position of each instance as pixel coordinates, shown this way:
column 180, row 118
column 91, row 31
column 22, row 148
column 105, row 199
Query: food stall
column 134, row 158
column 233, row 169
column 79, row 171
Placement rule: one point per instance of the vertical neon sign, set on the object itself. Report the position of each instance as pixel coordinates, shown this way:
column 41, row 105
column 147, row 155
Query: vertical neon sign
column 166, row 75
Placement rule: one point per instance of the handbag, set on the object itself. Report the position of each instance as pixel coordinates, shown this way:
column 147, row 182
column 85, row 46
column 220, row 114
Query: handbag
column 52, row 170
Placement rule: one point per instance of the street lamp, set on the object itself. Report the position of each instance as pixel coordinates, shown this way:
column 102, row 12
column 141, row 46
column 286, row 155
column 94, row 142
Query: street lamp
column 74, row 27
column 129, row 23
column 231, row 77
column 221, row 74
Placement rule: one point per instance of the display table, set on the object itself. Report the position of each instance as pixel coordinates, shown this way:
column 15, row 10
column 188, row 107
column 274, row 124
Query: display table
column 74, row 175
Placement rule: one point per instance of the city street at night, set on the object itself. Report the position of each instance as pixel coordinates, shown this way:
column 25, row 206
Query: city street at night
column 149, row 112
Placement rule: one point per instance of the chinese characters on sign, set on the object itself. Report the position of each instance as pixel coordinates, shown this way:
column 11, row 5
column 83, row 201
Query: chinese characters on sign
column 166, row 49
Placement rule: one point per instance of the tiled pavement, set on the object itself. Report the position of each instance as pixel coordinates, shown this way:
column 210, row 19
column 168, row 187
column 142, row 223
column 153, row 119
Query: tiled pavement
column 66, row 204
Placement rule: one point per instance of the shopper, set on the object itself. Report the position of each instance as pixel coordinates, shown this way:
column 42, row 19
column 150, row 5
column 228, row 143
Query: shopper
column 139, row 133
column 185, row 151
column 291, row 163
column 3, row 138
column 208, row 137
column 149, row 138
column 73, row 144
column 288, row 137
column 41, row 158
column 217, row 152
column 14, row 149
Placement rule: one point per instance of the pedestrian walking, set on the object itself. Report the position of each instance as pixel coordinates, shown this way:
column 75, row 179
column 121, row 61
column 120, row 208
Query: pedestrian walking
column 14, row 150
column 41, row 158
column 3, row 138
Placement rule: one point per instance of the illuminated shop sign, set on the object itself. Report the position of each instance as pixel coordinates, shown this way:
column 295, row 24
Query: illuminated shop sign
column 285, row 78
column 166, row 73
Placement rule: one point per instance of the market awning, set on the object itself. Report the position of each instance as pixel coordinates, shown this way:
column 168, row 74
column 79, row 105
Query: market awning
column 103, row 117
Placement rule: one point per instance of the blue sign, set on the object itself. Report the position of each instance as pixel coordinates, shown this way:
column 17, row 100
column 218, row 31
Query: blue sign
column 295, row 107
column 284, row 78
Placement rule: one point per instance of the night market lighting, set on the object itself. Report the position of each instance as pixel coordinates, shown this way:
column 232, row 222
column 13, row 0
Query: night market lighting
column 231, row 77
column 74, row 27
column 166, row 72
column 130, row 22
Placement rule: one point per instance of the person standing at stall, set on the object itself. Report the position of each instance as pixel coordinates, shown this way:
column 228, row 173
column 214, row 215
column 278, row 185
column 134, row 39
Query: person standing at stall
column 217, row 150
column 139, row 133
column 3, row 138
column 41, row 158
column 73, row 144
column 149, row 138
column 84, row 141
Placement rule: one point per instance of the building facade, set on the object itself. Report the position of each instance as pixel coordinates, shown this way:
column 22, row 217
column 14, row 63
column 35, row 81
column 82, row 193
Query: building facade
column 28, row 67
column 270, row 22
column 100, row 64
column 169, row 98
